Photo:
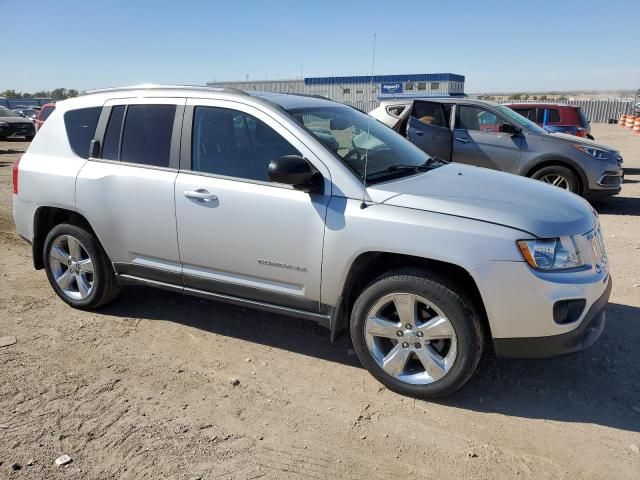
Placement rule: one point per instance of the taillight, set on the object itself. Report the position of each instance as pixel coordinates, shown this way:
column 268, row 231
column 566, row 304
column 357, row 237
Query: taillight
column 16, row 167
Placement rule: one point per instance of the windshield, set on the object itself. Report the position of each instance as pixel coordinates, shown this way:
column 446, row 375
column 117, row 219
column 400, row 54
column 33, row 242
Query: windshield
column 5, row 112
column 519, row 119
column 354, row 136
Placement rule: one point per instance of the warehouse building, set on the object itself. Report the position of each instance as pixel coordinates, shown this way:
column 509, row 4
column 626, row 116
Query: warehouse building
column 362, row 92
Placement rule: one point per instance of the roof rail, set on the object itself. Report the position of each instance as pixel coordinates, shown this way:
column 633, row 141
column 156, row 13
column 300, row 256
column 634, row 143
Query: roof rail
column 151, row 86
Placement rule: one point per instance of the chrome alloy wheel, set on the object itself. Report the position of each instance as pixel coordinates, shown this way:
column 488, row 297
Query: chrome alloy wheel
column 556, row 180
column 410, row 338
column 72, row 267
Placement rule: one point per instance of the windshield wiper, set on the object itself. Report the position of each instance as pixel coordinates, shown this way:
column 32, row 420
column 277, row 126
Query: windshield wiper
column 428, row 165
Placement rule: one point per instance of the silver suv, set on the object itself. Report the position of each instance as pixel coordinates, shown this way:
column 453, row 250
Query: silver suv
column 309, row 208
column 490, row 135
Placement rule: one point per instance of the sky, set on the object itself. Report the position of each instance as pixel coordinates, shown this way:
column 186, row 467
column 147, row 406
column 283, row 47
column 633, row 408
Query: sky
column 499, row 46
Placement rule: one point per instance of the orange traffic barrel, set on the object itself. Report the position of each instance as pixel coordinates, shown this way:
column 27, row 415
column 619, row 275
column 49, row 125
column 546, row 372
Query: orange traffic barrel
column 623, row 120
column 630, row 121
column 636, row 126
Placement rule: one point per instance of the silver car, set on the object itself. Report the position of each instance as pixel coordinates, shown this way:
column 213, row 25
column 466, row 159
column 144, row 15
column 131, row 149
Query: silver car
column 309, row 208
column 493, row 136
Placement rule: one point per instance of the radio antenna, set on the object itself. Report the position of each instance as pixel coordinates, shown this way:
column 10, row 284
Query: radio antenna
column 363, row 205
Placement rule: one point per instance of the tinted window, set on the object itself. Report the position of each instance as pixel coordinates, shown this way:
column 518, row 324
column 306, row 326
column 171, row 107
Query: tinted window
column 430, row 113
column 235, row 144
column 146, row 138
column 553, row 115
column 477, row 118
column 45, row 112
column 81, row 127
column 525, row 112
column 111, row 144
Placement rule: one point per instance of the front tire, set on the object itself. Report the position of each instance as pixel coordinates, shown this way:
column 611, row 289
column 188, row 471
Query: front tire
column 416, row 335
column 558, row 176
column 78, row 269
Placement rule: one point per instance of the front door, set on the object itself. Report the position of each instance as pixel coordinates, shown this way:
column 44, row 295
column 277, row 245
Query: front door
column 477, row 140
column 428, row 128
column 239, row 233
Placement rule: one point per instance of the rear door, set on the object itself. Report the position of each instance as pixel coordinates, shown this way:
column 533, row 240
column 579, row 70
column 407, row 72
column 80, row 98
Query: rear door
column 127, row 193
column 428, row 128
column 477, row 139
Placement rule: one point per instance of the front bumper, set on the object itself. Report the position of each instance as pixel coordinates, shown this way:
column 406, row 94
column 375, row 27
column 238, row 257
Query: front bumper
column 576, row 340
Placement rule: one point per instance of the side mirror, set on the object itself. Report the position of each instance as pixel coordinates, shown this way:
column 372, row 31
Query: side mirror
column 94, row 149
column 295, row 171
column 508, row 128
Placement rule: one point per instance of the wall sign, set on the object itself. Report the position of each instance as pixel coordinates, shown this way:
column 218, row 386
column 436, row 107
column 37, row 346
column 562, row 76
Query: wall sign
column 390, row 88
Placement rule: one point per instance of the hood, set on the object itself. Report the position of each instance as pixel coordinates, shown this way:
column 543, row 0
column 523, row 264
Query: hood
column 15, row 120
column 490, row 196
column 581, row 141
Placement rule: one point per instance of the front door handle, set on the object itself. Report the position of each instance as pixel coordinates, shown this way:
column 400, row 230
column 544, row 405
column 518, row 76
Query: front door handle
column 463, row 140
column 200, row 195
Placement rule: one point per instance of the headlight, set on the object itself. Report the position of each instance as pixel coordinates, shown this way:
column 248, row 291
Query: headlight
column 551, row 253
column 596, row 153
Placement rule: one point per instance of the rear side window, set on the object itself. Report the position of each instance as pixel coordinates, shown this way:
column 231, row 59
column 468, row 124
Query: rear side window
column 430, row 113
column 553, row 115
column 81, row 128
column 146, row 137
column 45, row 112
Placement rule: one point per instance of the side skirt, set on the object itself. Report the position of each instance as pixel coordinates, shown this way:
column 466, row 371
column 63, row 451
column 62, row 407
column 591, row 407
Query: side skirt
column 323, row 320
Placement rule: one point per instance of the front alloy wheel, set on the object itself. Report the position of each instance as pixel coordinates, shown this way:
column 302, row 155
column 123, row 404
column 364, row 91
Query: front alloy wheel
column 415, row 332
column 410, row 338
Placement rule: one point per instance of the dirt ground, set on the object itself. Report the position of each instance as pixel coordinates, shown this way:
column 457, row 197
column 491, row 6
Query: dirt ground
column 142, row 388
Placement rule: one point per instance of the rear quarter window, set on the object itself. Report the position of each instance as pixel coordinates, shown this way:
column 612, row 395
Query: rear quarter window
column 81, row 128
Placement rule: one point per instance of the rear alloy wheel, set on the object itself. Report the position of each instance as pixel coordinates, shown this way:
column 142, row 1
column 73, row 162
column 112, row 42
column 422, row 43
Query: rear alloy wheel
column 77, row 268
column 416, row 335
column 558, row 176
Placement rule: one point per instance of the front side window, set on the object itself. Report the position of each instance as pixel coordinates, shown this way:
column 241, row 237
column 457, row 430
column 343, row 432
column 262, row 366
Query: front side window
column 235, row 144
column 354, row 137
column 146, row 136
column 81, row 128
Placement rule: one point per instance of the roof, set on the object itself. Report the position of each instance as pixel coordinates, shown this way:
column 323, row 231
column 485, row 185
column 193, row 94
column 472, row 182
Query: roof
column 291, row 100
column 152, row 86
column 441, row 99
column 411, row 77
column 528, row 104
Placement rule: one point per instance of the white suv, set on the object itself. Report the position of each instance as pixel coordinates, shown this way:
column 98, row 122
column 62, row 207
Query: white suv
column 306, row 207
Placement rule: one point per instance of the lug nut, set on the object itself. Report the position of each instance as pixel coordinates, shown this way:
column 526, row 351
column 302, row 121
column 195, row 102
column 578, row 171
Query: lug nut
column 418, row 345
column 405, row 345
column 420, row 334
column 408, row 325
column 400, row 333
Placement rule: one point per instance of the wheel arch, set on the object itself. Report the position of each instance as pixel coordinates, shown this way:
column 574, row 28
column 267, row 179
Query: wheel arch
column 370, row 265
column 583, row 181
column 45, row 218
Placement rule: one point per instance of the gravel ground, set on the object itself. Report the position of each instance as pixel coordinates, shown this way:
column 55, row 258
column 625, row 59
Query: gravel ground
column 143, row 388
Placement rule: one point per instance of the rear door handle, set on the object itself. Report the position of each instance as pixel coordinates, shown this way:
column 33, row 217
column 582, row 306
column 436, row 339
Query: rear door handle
column 463, row 140
column 200, row 195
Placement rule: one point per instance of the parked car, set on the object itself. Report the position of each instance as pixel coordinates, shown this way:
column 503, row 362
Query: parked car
column 44, row 113
column 556, row 117
column 13, row 125
column 236, row 198
column 29, row 113
column 490, row 135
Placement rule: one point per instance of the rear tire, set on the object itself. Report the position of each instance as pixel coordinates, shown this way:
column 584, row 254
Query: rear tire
column 558, row 176
column 78, row 270
column 415, row 334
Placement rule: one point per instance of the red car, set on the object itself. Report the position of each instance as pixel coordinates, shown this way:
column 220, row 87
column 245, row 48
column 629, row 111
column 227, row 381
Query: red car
column 45, row 111
column 556, row 117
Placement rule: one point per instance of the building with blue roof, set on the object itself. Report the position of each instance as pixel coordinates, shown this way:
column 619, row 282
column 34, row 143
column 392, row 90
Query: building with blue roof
column 361, row 91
